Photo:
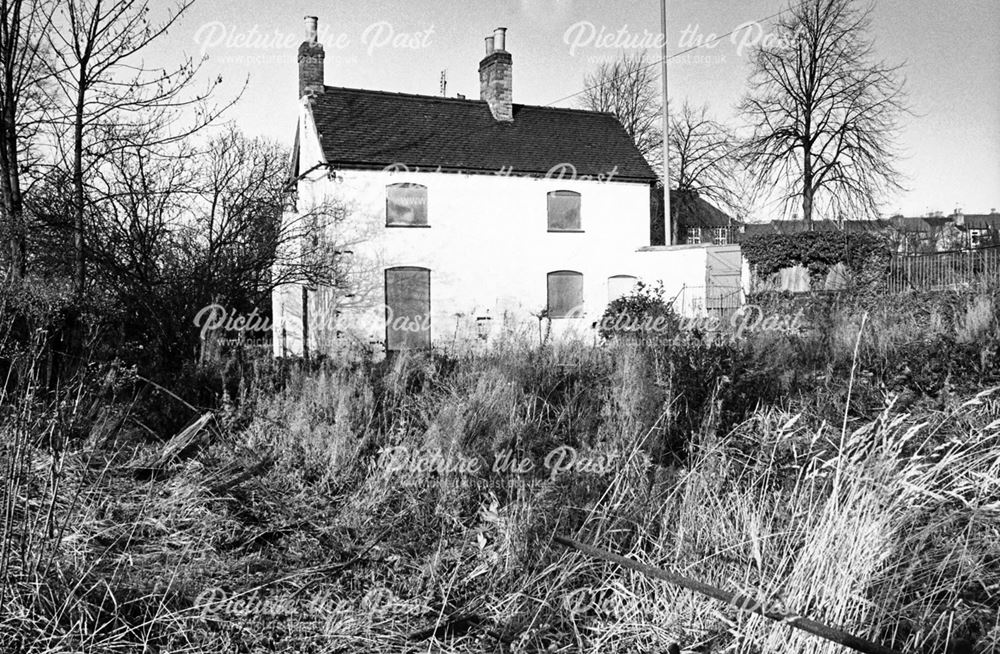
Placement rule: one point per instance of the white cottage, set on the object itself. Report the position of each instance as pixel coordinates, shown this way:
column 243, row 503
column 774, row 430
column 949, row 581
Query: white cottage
column 455, row 220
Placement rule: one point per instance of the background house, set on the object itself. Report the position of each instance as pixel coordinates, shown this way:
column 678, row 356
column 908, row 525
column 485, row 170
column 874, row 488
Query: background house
column 699, row 222
column 940, row 233
column 934, row 233
column 981, row 230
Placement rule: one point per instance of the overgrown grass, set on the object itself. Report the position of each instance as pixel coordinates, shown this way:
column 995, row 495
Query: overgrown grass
column 855, row 480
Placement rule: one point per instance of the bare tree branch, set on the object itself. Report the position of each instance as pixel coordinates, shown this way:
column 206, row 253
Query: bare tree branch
column 704, row 161
column 628, row 88
column 108, row 103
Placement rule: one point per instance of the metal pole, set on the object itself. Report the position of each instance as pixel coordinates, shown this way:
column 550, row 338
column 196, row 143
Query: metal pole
column 305, row 323
column 667, row 216
column 738, row 600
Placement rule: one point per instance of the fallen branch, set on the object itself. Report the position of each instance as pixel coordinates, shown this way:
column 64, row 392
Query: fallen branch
column 740, row 601
column 238, row 477
column 458, row 624
column 181, row 443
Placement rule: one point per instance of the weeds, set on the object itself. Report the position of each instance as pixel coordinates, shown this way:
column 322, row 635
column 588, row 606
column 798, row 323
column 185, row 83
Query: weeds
column 755, row 465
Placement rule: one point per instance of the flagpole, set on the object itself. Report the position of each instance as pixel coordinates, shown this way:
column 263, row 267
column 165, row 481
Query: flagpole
column 667, row 217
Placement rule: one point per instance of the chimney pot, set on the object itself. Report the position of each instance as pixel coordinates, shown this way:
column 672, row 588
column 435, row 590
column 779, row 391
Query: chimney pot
column 312, row 28
column 500, row 38
column 489, row 45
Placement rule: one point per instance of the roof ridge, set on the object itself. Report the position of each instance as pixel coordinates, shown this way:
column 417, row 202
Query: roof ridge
column 440, row 98
column 435, row 98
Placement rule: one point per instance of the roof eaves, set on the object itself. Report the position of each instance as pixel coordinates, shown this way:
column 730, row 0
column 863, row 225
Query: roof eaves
column 538, row 173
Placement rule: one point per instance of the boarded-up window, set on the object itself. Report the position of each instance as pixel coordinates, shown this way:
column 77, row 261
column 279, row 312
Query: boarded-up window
column 620, row 286
column 565, row 294
column 407, row 308
column 406, row 205
column 564, row 211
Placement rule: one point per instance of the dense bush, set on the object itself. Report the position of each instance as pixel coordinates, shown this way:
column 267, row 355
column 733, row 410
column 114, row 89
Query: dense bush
column 643, row 313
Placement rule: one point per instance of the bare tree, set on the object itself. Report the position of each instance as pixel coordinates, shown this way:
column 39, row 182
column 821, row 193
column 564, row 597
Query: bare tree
column 109, row 101
column 824, row 111
column 21, row 78
column 209, row 225
column 704, row 161
column 629, row 89
column 238, row 213
column 184, row 229
column 703, row 152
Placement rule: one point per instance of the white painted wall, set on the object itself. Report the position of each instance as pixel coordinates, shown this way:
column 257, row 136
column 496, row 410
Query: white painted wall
column 682, row 269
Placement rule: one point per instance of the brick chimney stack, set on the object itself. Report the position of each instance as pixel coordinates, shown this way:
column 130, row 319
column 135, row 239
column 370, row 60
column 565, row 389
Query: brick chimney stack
column 311, row 57
column 496, row 85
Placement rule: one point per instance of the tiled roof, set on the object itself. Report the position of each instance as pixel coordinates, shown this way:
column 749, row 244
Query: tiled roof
column 920, row 224
column 375, row 129
column 692, row 210
column 752, row 229
column 982, row 221
column 989, row 221
column 796, row 226
column 879, row 225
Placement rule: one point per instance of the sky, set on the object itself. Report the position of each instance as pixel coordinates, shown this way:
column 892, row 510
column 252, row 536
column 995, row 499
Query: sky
column 950, row 146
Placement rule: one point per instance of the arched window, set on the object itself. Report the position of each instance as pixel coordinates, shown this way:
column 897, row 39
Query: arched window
column 407, row 308
column 565, row 294
column 620, row 286
column 406, row 205
column 564, row 211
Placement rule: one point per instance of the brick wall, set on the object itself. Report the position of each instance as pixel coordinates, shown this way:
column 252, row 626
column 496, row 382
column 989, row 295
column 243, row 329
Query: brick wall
column 496, row 85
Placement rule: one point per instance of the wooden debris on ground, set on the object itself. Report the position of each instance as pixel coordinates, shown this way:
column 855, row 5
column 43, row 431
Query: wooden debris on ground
column 179, row 446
